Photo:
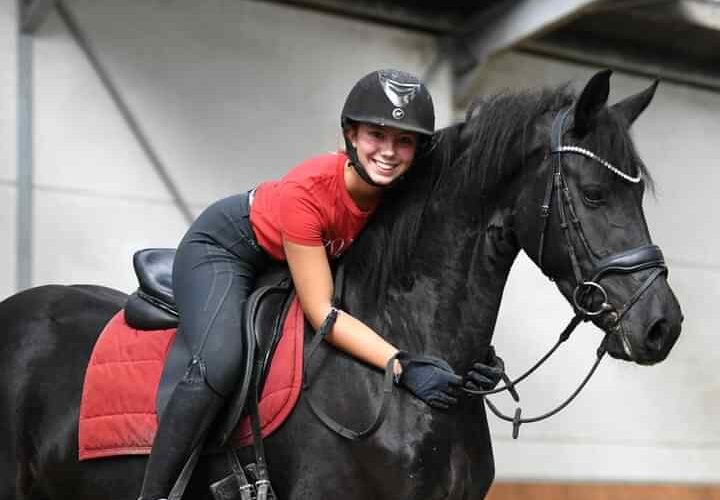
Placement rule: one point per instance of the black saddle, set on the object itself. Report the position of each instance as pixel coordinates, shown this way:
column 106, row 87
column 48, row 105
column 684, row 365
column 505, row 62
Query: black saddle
column 153, row 307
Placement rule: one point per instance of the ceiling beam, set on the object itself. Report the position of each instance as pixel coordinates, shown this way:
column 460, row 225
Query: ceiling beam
column 621, row 57
column 387, row 13
column 33, row 13
column 503, row 27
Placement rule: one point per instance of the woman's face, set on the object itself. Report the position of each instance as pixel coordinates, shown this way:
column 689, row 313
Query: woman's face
column 386, row 152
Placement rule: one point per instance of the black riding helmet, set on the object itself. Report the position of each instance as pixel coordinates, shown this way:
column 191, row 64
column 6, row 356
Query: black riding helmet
column 393, row 98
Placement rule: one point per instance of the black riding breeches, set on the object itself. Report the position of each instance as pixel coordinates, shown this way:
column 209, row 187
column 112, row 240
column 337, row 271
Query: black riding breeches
column 215, row 270
column 216, row 265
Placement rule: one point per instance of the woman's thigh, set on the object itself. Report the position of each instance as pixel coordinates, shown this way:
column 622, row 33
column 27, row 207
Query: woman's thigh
column 211, row 288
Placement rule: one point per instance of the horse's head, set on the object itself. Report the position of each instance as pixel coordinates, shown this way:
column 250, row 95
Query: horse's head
column 579, row 217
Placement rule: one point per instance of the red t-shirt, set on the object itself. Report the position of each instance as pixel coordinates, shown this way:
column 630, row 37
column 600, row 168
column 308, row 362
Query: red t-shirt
column 309, row 206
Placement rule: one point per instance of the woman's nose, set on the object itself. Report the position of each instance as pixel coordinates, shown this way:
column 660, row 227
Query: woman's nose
column 388, row 146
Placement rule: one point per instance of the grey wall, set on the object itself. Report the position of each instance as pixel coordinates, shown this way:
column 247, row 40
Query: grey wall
column 233, row 92
column 8, row 92
column 229, row 92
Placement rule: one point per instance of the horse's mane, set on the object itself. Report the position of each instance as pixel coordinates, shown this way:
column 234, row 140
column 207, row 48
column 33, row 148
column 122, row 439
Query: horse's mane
column 493, row 128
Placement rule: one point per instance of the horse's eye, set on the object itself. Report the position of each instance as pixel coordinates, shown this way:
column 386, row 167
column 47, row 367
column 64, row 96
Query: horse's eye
column 593, row 196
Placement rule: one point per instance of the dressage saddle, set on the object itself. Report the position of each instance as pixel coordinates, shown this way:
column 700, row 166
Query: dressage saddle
column 152, row 307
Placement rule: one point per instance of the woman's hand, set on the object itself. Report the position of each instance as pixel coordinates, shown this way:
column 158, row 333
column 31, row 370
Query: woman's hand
column 484, row 376
column 430, row 379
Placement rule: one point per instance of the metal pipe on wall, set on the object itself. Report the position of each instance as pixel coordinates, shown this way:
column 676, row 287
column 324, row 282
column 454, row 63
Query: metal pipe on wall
column 24, row 247
column 84, row 43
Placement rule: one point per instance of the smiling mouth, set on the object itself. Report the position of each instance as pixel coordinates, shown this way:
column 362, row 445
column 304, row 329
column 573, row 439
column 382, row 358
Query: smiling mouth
column 384, row 167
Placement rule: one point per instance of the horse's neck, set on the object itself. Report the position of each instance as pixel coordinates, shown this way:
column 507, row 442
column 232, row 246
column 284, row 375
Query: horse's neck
column 460, row 270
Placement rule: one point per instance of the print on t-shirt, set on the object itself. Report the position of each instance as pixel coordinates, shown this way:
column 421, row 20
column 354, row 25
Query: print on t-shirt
column 336, row 247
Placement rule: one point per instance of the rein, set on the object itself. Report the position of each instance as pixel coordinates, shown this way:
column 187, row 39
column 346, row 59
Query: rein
column 630, row 261
column 388, row 379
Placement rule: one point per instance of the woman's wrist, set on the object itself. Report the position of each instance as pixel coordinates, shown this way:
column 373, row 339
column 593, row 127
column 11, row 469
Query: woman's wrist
column 397, row 368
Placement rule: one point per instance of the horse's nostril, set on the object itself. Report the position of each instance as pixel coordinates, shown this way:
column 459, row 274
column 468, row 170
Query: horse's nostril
column 655, row 335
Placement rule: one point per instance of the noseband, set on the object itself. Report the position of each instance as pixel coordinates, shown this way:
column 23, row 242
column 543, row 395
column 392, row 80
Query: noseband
column 634, row 260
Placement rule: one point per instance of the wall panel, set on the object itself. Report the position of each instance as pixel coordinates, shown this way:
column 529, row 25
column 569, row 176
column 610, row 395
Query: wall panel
column 8, row 90
column 85, row 238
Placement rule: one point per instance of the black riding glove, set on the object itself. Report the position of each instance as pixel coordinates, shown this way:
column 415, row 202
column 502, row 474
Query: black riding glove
column 430, row 379
column 486, row 375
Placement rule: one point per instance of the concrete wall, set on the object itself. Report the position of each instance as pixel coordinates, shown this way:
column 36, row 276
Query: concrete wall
column 229, row 92
column 632, row 423
column 232, row 92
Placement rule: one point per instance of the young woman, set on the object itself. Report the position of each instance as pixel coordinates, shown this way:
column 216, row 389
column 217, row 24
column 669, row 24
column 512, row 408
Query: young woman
column 311, row 215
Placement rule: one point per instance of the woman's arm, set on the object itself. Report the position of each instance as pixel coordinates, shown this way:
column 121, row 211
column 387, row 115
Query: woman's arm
column 314, row 285
column 430, row 379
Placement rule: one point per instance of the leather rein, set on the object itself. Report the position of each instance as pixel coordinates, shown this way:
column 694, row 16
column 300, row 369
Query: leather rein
column 627, row 262
column 630, row 261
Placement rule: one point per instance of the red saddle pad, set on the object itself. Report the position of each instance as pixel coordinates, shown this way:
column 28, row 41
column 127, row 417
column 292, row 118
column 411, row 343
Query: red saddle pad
column 117, row 412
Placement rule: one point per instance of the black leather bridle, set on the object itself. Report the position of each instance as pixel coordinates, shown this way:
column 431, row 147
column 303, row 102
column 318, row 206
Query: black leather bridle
column 630, row 261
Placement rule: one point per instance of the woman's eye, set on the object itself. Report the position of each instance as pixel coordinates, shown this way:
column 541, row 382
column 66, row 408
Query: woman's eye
column 593, row 196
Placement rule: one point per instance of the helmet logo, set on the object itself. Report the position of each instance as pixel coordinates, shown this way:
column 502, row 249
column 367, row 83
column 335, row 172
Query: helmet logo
column 398, row 113
column 400, row 94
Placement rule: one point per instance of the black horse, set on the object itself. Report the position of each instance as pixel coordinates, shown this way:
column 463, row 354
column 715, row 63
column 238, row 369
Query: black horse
column 429, row 274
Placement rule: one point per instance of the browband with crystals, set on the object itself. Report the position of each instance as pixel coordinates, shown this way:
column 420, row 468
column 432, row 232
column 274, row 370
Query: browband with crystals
column 606, row 164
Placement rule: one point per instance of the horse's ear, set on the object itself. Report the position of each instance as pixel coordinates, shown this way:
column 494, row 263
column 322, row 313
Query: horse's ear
column 631, row 107
column 591, row 101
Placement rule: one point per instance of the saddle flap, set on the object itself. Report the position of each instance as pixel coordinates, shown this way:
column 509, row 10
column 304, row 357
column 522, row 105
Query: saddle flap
column 265, row 314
